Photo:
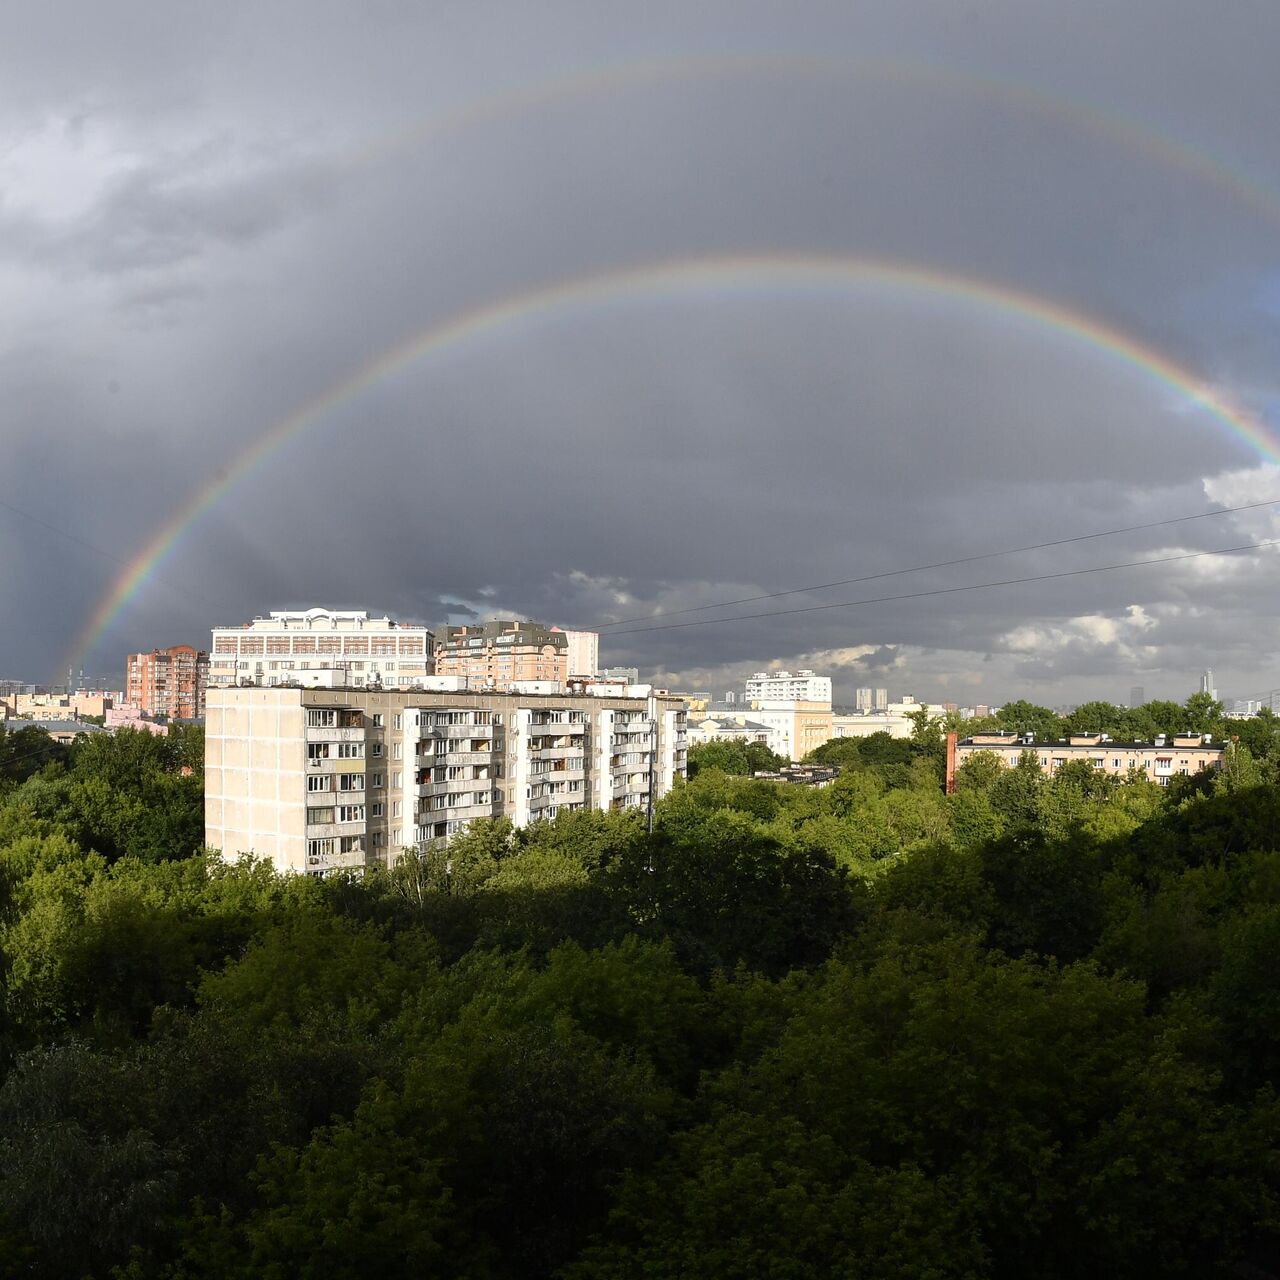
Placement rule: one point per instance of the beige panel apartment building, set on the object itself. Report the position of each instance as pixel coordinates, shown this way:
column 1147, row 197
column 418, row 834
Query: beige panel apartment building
column 1159, row 760
column 274, row 649
column 322, row 780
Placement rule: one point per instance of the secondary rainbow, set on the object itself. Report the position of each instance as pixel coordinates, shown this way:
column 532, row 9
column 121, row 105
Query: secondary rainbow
column 1109, row 125
column 674, row 278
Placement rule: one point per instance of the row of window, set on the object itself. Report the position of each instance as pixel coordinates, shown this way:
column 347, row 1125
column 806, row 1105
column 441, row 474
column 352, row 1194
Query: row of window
column 326, row 814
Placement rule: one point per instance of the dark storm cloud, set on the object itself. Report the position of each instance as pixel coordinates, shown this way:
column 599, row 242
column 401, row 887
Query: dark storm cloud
column 210, row 215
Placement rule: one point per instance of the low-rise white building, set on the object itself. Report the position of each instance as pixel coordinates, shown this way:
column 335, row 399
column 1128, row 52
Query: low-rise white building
column 1161, row 760
column 895, row 720
column 729, row 728
column 796, row 727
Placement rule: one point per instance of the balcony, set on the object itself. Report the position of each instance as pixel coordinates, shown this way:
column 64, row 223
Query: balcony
column 557, row 753
column 318, row 734
column 319, row 830
column 558, row 728
column 334, row 861
column 467, row 757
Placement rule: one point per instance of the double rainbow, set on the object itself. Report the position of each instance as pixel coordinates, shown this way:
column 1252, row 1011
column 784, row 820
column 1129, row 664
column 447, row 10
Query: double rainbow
column 674, row 278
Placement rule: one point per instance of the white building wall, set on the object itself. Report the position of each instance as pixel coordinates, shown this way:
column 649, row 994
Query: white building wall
column 801, row 686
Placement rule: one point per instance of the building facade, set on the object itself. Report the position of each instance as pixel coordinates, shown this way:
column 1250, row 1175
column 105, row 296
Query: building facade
column 274, row 649
column 1159, row 760
column 168, row 682
column 583, row 654
column 496, row 655
column 895, row 720
column 59, row 706
column 728, row 728
column 796, row 727
column 322, row 780
column 799, row 686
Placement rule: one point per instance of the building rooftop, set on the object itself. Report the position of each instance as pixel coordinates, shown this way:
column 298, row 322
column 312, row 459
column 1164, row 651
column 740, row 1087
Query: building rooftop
column 1178, row 742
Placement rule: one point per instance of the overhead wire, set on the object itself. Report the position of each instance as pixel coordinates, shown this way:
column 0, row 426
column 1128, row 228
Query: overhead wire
column 943, row 591
column 939, row 564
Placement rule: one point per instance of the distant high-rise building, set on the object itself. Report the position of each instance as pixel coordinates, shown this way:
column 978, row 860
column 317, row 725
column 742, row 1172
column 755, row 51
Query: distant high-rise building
column 862, row 699
column 803, row 686
column 629, row 675
column 583, row 653
column 880, row 700
column 730, row 696
column 1137, row 696
column 168, row 682
column 1206, row 684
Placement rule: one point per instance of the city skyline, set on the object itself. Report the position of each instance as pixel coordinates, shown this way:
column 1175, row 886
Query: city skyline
column 633, row 316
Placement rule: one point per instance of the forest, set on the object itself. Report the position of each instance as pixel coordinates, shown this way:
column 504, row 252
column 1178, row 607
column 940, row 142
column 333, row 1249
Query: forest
column 1031, row 1028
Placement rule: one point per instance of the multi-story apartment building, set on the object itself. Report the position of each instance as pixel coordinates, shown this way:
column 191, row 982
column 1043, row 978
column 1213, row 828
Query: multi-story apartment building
column 583, row 655
column 496, row 655
column 800, row 686
column 168, row 682
column 1159, row 760
column 868, row 699
column 319, row 780
column 274, row 649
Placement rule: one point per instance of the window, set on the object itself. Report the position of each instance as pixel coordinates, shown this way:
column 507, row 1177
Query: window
column 319, row 817
column 397, row 750
column 351, row 782
column 376, row 809
column 395, row 781
column 317, row 849
column 351, row 844
column 377, row 719
column 318, row 718
column 375, row 780
column 317, row 750
column 350, row 750
column 399, row 719
column 351, row 813
column 376, row 749
column 397, row 808
column 379, row 839
column 318, row 782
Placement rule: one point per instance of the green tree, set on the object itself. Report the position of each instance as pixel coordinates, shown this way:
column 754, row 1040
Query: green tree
column 1026, row 717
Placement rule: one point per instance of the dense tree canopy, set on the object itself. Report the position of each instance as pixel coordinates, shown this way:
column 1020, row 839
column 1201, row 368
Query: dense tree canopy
column 867, row 1029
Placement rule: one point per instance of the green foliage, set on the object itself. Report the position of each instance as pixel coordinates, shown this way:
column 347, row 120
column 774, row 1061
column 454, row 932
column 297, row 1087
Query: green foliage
column 1029, row 1028
column 741, row 759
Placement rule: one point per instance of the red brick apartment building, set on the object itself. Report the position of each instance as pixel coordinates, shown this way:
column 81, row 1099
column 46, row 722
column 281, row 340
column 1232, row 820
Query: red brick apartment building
column 168, row 682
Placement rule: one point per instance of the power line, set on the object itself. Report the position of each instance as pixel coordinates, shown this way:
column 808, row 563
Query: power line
column 86, row 545
column 940, row 564
column 944, row 591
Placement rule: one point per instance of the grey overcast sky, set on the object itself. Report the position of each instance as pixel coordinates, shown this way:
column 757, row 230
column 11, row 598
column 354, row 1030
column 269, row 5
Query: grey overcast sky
column 211, row 215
